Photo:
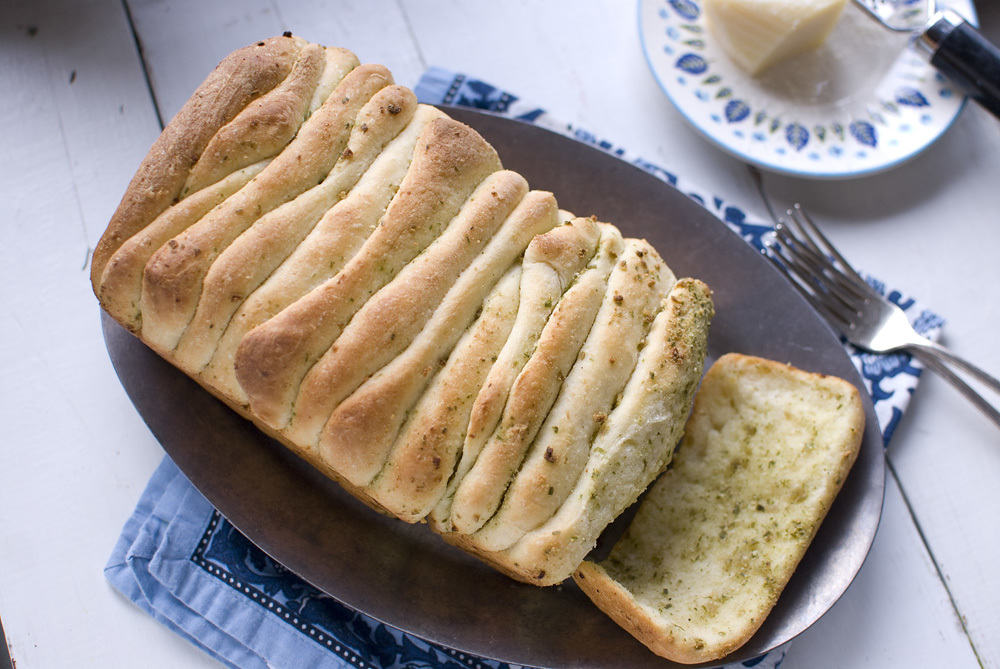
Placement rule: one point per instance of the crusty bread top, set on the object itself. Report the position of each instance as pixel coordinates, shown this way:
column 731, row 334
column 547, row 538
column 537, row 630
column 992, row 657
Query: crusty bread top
column 718, row 536
column 240, row 78
column 449, row 161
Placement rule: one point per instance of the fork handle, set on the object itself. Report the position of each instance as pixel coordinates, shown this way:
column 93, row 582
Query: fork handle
column 937, row 357
column 936, row 349
column 961, row 53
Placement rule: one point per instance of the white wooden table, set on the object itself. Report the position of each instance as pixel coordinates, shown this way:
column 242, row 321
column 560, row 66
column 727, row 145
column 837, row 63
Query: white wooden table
column 85, row 86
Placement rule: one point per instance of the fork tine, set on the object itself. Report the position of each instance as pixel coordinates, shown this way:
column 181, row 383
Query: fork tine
column 804, row 220
column 793, row 218
column 820, row 269
column 832, row 307
column 812, row 288
column 795, row 276
column 800, row 249
column 850, row 277
column 834, row 319
column 845, row 274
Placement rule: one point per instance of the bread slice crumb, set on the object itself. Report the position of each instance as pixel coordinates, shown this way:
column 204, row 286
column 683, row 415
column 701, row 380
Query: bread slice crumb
column 715, row 541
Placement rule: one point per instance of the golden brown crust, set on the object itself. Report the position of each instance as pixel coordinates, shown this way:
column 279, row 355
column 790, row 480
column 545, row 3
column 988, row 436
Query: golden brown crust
column 173, row 278
column 425, row 454
column 338, row 63
column 240, row 78
column 550, row 263
column 636, row 286
column 634, row 445
column 451, row 159
column 566, row 249
column 323, row 253
column 121, row 282
column 534, row 391
column 619, row 604
column 264, row 127
column 376, row 411
column 390, row 320
column 254, row 255
column 379, row 295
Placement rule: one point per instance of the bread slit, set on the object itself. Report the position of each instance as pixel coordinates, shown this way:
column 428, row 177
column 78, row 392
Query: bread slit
column 356, row 439
column 271, row 361
column 551, row 262
column 559, row 453
column 635, row 444
column 338, row 63
column 172, row 280
column 258, row 251
column 534, row 391
column 425, row 454
column 392, row 317
column 328, row 247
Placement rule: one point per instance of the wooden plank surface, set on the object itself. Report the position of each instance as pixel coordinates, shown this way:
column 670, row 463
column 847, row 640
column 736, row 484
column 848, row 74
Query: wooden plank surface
column 194, row 36
column 897, row 613
column 376, row 30
column 182, row 40
column 77, row 119
column 78, row 455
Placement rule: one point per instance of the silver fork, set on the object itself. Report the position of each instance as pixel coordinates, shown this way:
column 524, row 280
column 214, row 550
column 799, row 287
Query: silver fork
column 868, row 320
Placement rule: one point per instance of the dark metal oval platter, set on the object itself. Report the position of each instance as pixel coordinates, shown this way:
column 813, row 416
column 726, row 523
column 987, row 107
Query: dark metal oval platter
column 406, row 576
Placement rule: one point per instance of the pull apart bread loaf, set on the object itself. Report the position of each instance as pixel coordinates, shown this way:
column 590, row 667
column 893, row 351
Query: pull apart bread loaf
column 358, row 275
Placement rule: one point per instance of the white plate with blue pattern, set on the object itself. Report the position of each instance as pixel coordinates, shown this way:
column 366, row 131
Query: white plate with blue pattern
column 861, row 103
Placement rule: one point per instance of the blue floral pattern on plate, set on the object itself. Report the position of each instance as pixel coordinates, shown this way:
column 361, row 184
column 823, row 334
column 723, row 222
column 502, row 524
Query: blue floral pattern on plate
column 887, row 121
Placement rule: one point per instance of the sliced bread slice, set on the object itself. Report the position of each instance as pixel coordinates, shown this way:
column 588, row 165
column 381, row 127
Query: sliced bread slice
column 718, row 536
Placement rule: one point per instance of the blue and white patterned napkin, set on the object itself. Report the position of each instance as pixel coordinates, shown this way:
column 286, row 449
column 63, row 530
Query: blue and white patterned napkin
column 180, row 561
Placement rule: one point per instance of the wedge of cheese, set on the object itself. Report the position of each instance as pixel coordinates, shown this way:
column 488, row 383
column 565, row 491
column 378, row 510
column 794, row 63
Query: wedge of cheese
column 757, row 34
